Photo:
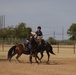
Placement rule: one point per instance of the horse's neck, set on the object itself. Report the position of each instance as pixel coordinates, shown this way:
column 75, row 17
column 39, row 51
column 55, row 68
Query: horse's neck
column 34, row 42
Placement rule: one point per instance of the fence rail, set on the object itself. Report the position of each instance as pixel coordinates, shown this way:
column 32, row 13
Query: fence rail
column 64, row 47
column 56, row 48
column 5, row 44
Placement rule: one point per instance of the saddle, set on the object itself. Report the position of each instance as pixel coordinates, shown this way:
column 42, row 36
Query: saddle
column 42, row 42
column 25, row 47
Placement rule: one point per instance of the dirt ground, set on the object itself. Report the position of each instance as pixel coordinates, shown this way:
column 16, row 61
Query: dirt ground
column 63, row 63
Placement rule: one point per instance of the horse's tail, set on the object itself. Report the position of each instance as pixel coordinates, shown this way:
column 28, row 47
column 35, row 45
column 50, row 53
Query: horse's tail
column 51, row 49
column 11, row 50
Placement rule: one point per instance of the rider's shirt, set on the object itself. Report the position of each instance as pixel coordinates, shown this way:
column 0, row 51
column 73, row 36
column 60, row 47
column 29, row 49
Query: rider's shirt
column 39, row 33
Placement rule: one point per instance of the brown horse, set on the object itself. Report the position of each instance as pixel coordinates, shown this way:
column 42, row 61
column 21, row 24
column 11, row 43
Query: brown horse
column 18, row 49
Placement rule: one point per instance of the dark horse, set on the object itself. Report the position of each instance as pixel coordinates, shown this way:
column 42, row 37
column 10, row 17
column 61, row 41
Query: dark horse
column 48, row 48
column 36, row 48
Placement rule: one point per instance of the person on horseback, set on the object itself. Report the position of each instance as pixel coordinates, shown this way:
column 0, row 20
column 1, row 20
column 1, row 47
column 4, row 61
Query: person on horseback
column 39, row 32
column 39, row 36
column 27, row 41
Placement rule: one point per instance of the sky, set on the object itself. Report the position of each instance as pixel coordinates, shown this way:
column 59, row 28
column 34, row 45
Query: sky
column 54, row 16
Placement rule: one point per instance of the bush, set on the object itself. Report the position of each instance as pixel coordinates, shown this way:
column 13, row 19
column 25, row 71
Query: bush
column 52, row 41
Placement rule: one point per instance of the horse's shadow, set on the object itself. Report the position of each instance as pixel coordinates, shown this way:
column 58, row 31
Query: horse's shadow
column 41, row 63
column 52, row 63
column 3, row 59
column 45, row 63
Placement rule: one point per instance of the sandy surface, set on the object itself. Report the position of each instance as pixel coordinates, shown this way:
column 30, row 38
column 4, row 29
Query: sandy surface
column 57, row 66
column 63, row 63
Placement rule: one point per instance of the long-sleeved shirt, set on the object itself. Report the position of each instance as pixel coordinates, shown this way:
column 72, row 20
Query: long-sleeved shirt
column 39, row 33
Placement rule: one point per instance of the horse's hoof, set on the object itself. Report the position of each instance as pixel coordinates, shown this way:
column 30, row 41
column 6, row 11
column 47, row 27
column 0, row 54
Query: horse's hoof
column 9, row 60
column 20, row 62
column 37, row 62
column 30, row 62
column 47, row 63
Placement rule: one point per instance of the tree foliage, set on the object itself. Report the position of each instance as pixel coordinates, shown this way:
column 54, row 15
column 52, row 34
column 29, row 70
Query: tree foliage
column 51, row 40
column 19, row 31
column 72, row 32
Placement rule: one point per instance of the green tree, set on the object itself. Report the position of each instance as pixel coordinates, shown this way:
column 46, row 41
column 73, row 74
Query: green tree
column 19, row 31
column 9, row 31
column 72, row 32
column 51, row 40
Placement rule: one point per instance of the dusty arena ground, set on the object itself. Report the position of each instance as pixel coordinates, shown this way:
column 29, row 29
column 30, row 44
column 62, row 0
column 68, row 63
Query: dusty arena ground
column 63, row 63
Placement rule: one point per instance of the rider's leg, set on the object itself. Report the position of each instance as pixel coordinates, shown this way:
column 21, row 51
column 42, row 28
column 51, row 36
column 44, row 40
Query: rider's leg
column 43, row 42
column 28, row 45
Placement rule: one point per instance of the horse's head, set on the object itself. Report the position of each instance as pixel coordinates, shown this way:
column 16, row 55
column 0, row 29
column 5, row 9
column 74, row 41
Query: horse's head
column 32, row 38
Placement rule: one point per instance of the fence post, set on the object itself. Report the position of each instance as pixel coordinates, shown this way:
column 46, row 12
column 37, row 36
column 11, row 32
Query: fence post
column 58, row 47
column 74, row 47
column 3, row 44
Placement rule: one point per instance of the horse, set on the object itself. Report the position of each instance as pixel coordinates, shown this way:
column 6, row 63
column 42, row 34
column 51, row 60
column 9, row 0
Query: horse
column 39, row 48
column 49, row 49
column 34, row 49
column 18, row 49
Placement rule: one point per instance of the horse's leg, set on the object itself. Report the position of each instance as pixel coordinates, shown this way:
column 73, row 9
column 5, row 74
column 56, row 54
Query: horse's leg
column 41, row 55
column 48, row 56
column 18, row 57
column 30, row 58
column 36, row 58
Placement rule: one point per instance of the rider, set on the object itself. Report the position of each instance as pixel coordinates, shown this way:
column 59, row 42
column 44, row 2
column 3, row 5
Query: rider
column 39, row 32
column 27, row 41
column 39, row 36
